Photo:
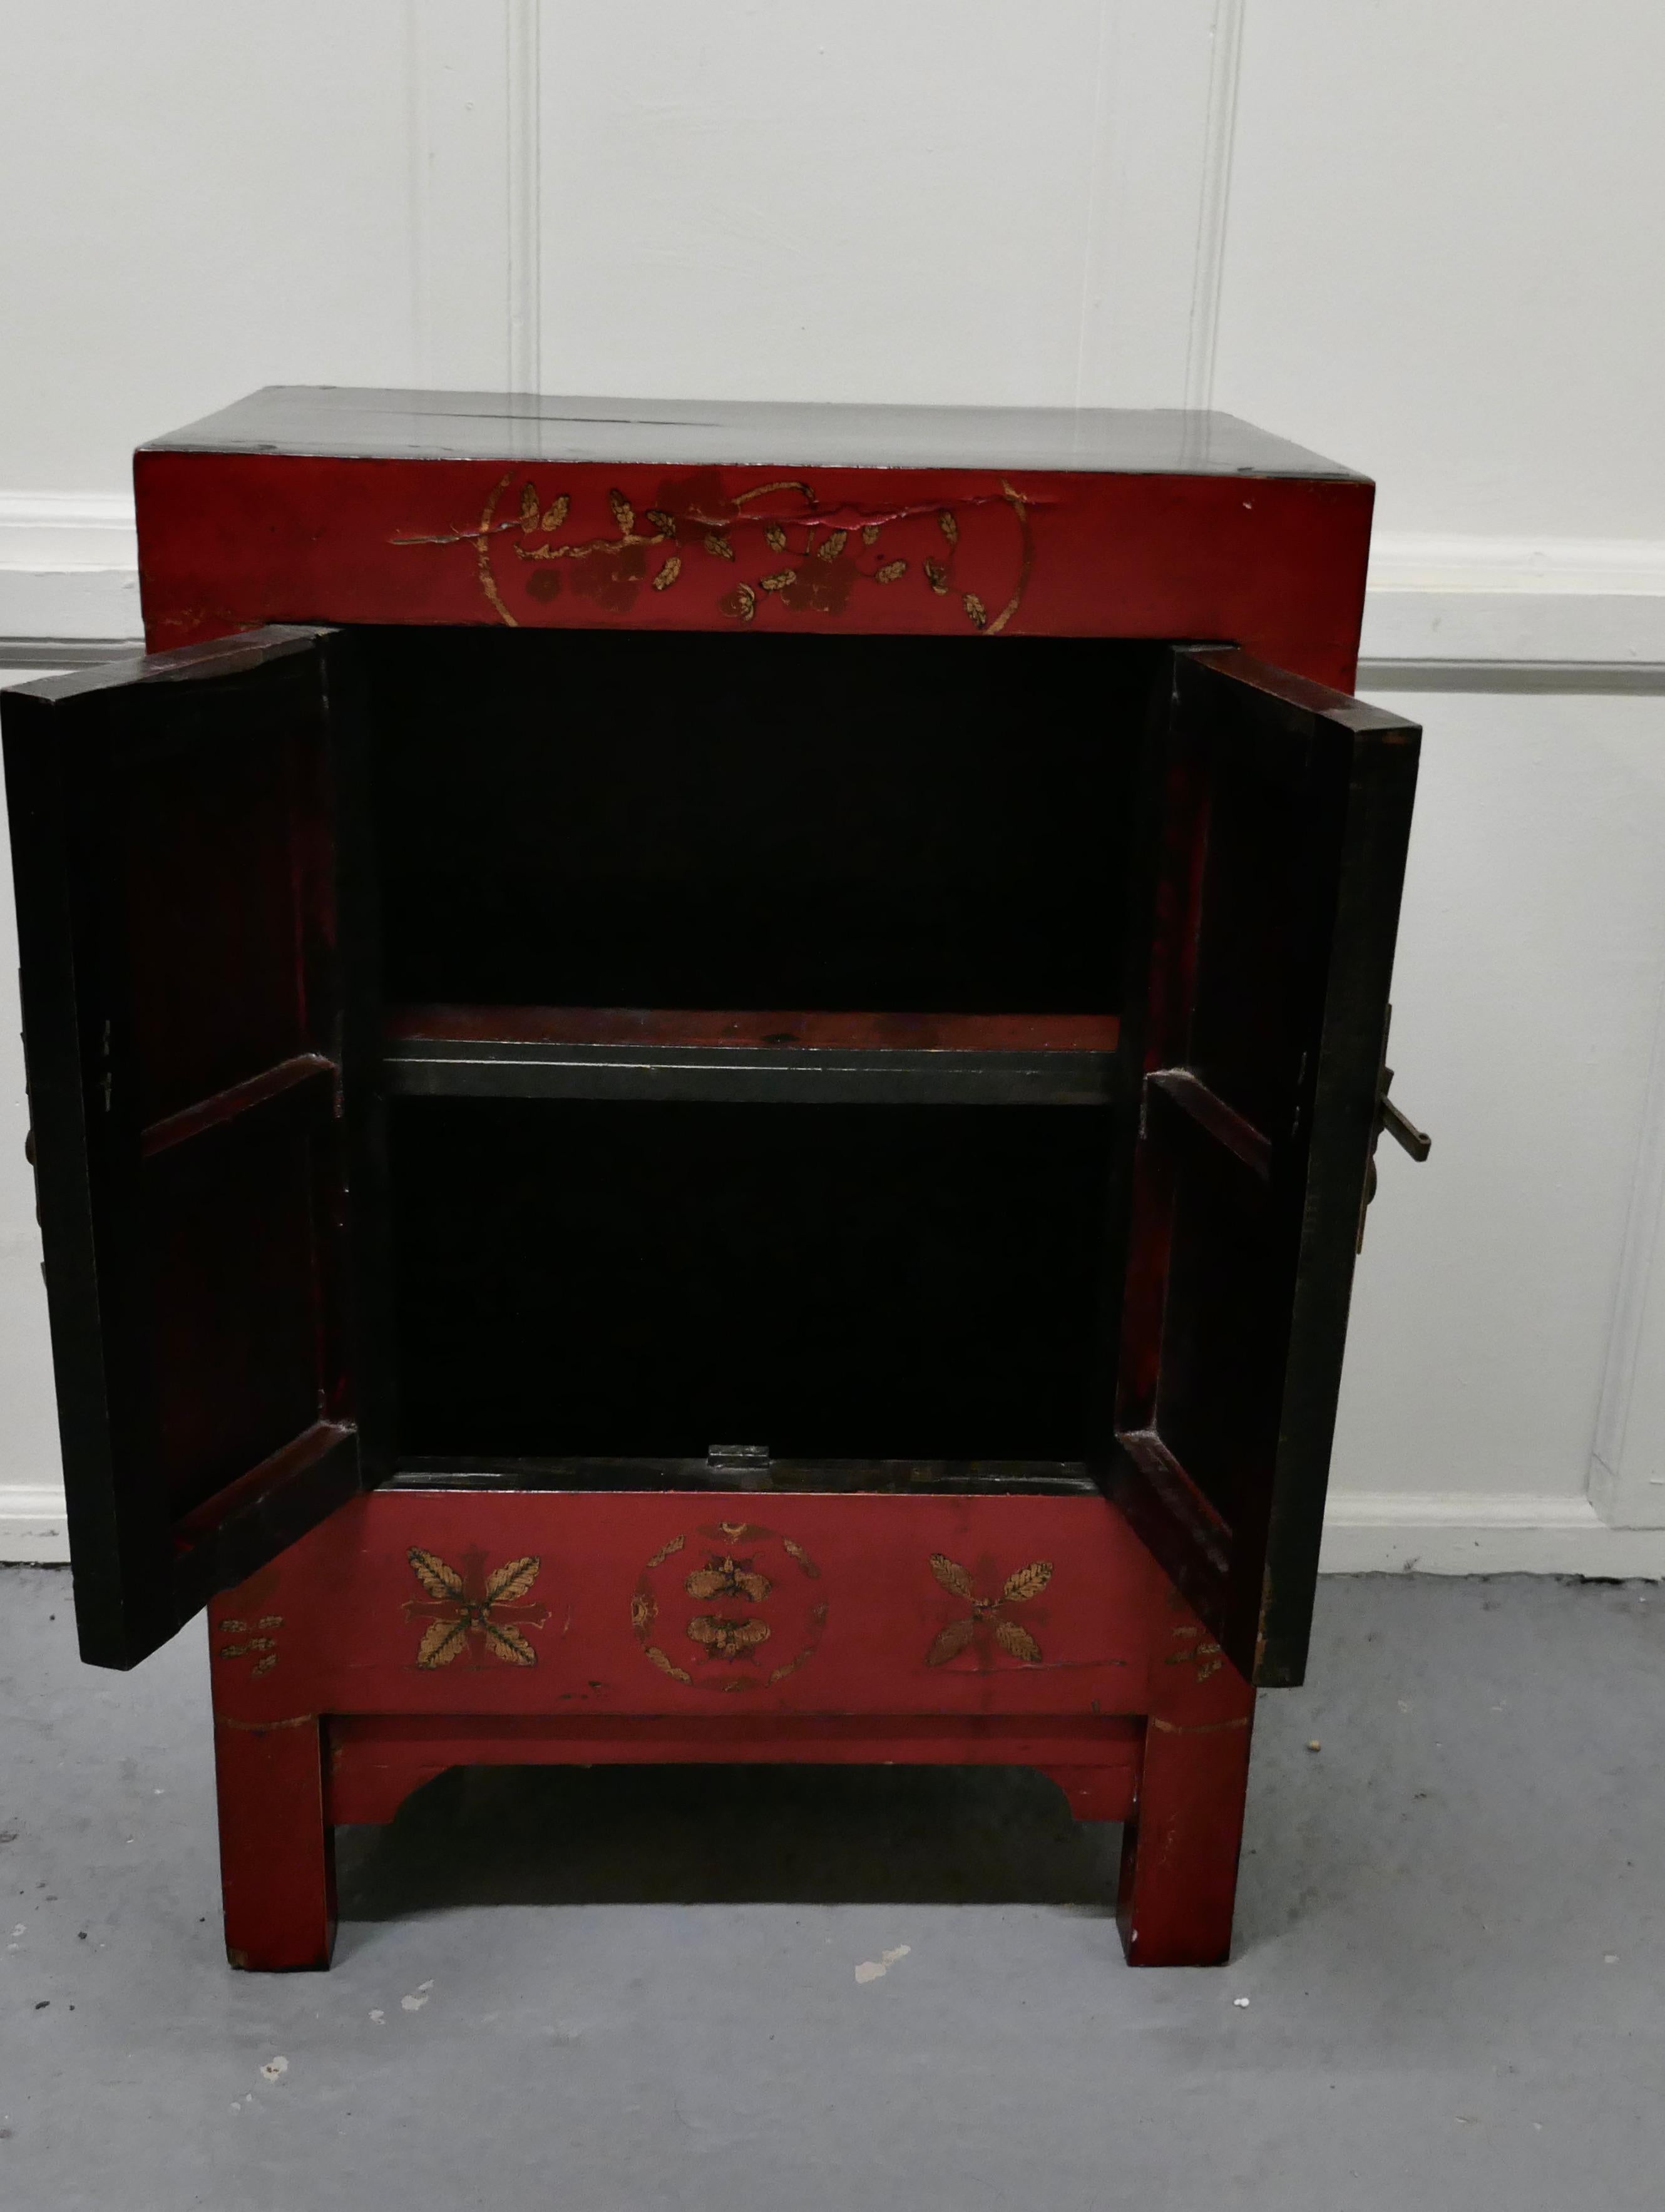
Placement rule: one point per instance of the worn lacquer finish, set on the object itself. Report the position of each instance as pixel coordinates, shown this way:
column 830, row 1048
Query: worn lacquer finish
column 417, row 1631
column 585, row 1610
column 1108, row 533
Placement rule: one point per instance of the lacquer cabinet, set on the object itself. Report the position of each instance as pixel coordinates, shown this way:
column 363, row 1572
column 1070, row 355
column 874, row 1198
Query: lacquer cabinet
column 704, row 1081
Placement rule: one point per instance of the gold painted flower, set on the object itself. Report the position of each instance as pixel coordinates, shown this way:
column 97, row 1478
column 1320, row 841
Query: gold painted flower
column 987, row 1621
column 469, row 1609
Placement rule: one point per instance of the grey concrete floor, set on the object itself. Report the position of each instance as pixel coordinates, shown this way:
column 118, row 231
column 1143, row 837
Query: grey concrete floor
column 618, row 1992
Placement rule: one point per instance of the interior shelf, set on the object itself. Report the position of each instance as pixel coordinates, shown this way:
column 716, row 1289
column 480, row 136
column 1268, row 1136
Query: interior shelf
column 817, row 1057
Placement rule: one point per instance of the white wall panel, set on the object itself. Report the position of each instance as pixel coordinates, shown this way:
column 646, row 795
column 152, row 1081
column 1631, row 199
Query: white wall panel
column 1531, row 957
column 201, row 197
column 874, row 203
column 1443, row 255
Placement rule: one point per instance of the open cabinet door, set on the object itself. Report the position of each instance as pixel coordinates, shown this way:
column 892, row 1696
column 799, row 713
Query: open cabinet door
column 178, row 831
column 1281, row 813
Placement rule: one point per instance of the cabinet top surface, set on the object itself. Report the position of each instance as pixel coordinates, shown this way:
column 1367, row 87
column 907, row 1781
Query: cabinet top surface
column 354, row 423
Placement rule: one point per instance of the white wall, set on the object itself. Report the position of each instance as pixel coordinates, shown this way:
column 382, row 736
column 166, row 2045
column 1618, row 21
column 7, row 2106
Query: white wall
column 1420, row 236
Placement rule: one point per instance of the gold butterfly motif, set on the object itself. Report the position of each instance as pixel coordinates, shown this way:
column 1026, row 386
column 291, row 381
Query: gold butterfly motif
column 727, row 1640
column 728, row 1576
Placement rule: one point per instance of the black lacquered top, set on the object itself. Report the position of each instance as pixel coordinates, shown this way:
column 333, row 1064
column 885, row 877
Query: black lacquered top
column 356, row 422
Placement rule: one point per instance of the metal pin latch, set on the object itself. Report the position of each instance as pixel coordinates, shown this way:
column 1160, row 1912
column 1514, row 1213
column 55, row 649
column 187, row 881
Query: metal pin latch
column 1403, row 1131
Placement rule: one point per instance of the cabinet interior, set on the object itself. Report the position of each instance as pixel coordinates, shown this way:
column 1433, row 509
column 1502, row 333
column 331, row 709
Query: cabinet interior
column 657, row 896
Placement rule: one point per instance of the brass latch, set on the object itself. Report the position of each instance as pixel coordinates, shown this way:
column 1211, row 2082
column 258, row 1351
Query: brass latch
column 1404, row 1132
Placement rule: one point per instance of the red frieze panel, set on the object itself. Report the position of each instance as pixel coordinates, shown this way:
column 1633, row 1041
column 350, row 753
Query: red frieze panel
column 231, row 541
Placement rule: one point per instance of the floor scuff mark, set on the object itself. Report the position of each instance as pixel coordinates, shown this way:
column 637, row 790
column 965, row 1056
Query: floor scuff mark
column 873, row 1969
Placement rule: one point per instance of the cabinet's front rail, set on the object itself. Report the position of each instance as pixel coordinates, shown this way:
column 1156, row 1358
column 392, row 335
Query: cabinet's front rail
column 798, row 1059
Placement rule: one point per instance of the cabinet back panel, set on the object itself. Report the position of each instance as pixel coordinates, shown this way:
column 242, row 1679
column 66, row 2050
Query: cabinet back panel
column 608, row 819
column 829, row 1281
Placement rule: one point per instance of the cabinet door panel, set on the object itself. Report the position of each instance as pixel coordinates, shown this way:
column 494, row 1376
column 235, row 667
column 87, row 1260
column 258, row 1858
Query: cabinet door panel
column 1279, row 813
column 179, row 833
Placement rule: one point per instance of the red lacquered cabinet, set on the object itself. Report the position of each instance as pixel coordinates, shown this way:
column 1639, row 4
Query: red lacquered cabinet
column 703, row 1083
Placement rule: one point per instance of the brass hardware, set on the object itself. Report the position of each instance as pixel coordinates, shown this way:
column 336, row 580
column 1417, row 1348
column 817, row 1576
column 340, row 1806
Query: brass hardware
column 1404, row 1132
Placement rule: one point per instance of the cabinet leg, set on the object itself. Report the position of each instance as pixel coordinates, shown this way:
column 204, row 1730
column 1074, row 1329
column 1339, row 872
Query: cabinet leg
column 276, row 1851
column 1179, row 1851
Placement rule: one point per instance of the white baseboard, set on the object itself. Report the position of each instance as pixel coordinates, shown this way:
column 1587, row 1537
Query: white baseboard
column 1443, row 1532
column 69, row 569
column 32, row 1529
column 1365, row 1532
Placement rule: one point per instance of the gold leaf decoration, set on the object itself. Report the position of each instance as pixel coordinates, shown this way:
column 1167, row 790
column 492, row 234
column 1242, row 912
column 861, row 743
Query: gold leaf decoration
column 986, row 1620
column 890, row 572
column 665, row 524
column 439, row 1580
column 266, row 1645
column 833, row 547
column 669, row 574
column 1027, row 1582
column 951, row 1575
column 717, row 544
column 937, row 577
column 976, row 609
column 508, row 1643
column 506, row 1585
column 779, row 581
column 1016, row 1640
column 624, row 514
column 556, row 513
column 728, row 1577
column 441, row 1640
column 949, row 527
column 776, row 537
column 870, row 533
column 665, row 1551
column 728, row 1638
column 950, row 1641
column 727, row 1625
column 528, row 509
column 465, row 1609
